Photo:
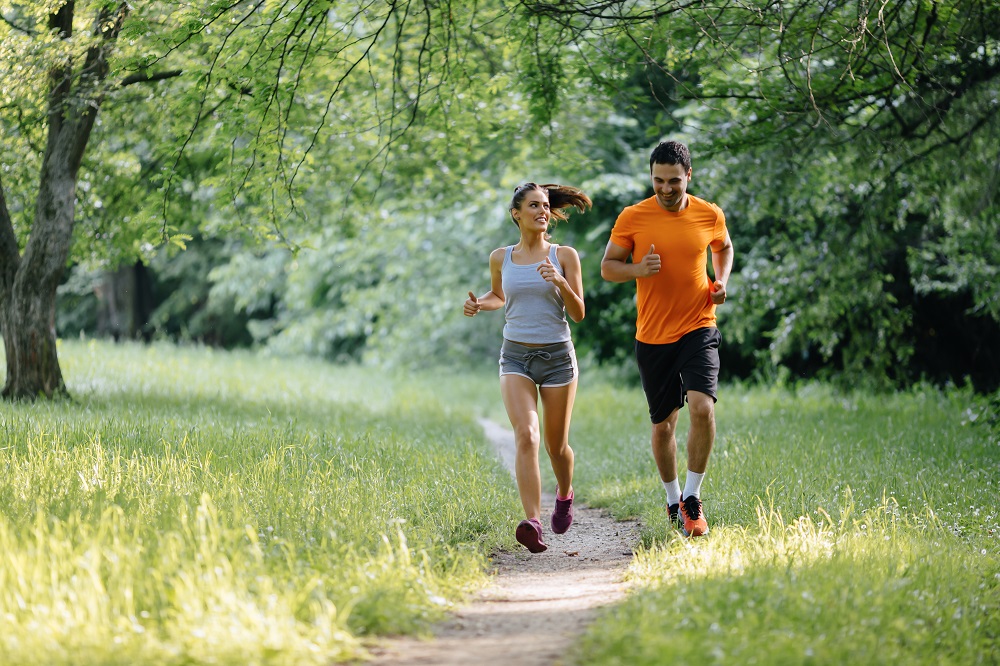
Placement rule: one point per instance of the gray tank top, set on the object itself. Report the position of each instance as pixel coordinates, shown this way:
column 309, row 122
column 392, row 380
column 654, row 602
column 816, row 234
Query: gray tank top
column 534, row 308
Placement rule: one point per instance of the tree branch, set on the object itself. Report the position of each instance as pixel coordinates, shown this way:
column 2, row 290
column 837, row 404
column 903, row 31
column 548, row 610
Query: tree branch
column 94, row 74
column 967, row 135
column 206, row 87
column 16, row 27
column 10, row 255
column 143, row 77
column 60, row 78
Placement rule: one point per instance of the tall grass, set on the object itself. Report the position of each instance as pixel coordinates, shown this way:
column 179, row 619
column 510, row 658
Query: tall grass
column 845, row 529
column 190, row 506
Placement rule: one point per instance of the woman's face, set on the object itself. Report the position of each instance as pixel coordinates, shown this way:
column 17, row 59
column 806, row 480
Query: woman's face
column 534, row 212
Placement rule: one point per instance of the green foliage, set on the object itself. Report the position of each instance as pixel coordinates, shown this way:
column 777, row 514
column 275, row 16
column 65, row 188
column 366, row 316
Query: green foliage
column 851, row 145
column 852, row 150
column 188, row 309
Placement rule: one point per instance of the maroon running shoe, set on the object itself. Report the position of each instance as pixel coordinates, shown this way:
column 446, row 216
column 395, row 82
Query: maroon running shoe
column 562, row 516
column 529, row 535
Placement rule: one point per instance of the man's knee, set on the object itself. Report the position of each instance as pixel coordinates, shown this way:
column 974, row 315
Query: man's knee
column 701, row 407
column 666, row 427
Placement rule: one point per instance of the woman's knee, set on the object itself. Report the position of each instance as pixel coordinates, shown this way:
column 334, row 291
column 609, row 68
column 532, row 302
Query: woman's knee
column 527, row 436
column 558, row 447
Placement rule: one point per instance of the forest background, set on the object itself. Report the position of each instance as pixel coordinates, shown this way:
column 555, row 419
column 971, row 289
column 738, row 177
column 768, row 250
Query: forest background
column 328, row 179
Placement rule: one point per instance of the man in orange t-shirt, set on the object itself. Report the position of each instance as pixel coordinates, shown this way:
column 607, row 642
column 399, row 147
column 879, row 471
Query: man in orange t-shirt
column 677, row 342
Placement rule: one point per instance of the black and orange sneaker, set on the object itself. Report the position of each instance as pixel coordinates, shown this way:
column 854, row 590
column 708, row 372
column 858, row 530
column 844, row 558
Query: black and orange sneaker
column 673, row 516
column 529, row 535
column 694, row 517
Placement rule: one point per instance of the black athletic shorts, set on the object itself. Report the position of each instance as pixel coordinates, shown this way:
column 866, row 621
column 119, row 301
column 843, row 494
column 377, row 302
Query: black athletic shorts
column 669, row 371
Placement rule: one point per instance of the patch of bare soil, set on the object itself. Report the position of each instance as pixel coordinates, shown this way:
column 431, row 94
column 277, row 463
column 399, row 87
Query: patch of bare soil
column 538, row 604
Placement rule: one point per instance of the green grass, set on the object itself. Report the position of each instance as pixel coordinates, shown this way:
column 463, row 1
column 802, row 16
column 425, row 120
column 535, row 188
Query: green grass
column 845, row 529
column 195, row 507
column 192, row 507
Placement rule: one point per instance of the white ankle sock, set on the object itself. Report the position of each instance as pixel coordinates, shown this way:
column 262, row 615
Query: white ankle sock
column 692, row 484
column 673, row 489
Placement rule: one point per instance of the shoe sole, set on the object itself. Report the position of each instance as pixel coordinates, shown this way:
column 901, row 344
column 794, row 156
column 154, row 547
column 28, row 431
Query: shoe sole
column 561, row 531
column 527, row 536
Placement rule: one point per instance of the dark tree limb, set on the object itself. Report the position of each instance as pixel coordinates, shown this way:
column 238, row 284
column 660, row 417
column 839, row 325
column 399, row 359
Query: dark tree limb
column 10, row 255
column 143, row 77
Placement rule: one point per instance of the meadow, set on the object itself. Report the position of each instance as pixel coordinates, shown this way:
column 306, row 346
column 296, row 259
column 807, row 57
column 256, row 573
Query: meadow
column 846, row 529
column 195, row 507
column 189, row 506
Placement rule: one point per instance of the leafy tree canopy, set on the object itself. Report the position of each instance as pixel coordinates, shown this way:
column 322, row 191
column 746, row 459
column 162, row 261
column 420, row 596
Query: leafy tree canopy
column 852, row 144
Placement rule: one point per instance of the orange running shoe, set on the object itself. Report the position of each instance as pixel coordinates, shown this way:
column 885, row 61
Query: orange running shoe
column 694, row 517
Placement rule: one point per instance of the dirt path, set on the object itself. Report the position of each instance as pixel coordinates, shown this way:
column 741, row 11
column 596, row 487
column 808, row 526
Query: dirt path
column 538, row 603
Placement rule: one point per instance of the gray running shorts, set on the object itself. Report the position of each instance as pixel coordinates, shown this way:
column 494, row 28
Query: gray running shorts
column 548, row 365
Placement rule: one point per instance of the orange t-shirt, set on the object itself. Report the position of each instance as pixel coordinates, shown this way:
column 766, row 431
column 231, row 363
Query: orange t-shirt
column 677, row 300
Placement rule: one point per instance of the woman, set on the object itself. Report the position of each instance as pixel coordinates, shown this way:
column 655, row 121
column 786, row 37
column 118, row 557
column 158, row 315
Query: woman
column 538, row 284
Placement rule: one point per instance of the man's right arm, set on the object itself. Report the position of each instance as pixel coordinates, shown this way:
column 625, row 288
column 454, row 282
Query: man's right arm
column 615, row 268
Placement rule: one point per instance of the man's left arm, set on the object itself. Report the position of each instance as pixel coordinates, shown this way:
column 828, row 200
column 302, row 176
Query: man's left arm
column 722, row 264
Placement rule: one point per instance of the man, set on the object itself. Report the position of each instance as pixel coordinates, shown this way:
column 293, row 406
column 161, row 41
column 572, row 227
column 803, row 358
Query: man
column 677, row 342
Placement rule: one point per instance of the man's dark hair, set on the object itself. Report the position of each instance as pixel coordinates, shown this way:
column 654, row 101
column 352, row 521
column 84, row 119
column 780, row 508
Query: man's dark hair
column 670, row 152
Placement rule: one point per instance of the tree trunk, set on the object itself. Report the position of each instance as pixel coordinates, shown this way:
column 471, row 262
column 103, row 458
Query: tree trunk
column 28, row 283
column 30, row 303
column 29, row 338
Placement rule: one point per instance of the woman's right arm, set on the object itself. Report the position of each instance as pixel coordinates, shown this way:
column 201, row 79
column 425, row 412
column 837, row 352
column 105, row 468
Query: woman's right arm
column 494, row 298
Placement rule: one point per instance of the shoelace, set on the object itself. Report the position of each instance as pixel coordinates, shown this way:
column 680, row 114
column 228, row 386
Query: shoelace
column 692, row 507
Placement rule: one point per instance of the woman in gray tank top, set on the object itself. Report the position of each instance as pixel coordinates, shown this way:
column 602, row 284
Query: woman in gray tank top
column 538, row 284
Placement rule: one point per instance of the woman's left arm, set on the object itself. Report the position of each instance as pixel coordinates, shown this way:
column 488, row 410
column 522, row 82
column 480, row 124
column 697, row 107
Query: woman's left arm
column 572, row 285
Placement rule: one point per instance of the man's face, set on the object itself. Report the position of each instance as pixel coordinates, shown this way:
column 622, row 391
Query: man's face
column 670, row 183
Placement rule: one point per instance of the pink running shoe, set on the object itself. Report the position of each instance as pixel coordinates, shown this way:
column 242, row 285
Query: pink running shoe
column 529, row 535
column 562, row 516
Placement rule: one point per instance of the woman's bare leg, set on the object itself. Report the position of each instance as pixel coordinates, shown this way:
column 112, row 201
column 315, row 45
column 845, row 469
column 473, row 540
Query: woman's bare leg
column 557, row 402
column 520, row 397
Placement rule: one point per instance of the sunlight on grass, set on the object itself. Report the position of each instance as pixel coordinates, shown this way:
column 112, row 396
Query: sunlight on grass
column 864, row 589
column 845, row 529
column 74, row 590
column 194, row 506
column 190, row 506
